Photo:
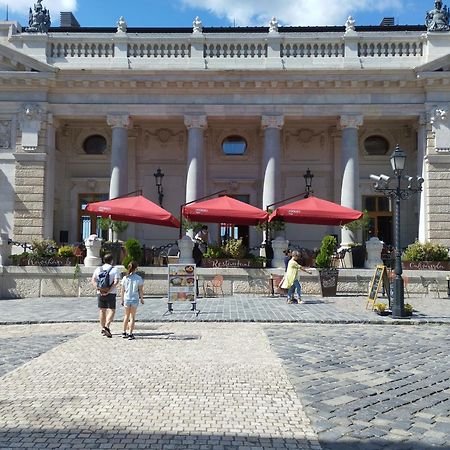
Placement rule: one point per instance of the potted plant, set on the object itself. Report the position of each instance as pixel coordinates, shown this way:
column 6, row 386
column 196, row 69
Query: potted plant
column 67, row 256
column 426, row 256
column 408, row 309
column 115, row 246
column 328, row 275
column 381, row 309
column 134, row 252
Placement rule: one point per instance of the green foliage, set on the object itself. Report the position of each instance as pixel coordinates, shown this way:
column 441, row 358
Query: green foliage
column 381, row 307
column 408, row 308
column 361, row 224
column 43, row 248
column 235, row 249
column 275, row 225
column 427, row 251
column 106, row 223
column 327, row 248
column 134, row 251
column 215, row 251
column 66, row 251
column 188, row 225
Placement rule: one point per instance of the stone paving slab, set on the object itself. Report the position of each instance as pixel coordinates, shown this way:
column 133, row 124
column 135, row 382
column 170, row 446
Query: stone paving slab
column 177, row 386
column 367, row 387
column 237, row 308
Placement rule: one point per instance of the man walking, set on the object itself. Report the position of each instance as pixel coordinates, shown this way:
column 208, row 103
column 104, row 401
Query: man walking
column 105, row 279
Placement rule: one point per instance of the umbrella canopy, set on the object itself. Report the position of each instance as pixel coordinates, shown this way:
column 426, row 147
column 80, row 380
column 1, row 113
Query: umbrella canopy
column 134, row 209
column 313, row 210
column 224, row 210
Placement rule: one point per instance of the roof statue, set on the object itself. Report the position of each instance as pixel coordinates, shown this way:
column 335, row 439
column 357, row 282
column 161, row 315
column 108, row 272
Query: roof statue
column 350, row 24
column 437, row 19
column 197, row 25
column 121, row 25
column 273, row 25
column 39, row 19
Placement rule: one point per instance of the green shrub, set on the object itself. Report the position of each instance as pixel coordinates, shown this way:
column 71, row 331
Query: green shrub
column 66, row 251
column 134, row 252
column 427, row 251
column 408, row 308
column 327, row 248
column 234, row 248
column 43, row 248
column 106, row 223
column 214, row 251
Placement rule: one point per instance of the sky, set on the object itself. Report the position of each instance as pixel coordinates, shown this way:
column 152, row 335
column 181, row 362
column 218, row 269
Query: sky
column 224, row 13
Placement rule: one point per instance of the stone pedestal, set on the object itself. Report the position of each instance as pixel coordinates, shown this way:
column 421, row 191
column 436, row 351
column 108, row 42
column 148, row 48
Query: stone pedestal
column 185, row 245
column 279, row 245
column 374, row 248
column 5, row 250
column 93, row 245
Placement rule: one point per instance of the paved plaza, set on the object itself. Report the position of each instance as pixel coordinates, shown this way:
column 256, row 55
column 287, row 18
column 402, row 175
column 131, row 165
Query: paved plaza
column 247, row 373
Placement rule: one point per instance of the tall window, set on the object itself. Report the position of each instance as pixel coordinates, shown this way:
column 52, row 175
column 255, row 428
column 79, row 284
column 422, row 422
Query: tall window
column 88, row 224
column 380, row 213
column 229, row 231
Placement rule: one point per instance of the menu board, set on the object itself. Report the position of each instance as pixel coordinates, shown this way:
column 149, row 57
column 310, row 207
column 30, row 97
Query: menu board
column 181, row 283
column 380, row 278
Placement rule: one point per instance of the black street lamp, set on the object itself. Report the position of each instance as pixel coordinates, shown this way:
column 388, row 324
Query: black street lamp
column 308, row 176
column 398, row 159
column 158, row 180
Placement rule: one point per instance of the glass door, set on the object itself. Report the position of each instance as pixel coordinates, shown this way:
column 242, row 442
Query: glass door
column 88, row 224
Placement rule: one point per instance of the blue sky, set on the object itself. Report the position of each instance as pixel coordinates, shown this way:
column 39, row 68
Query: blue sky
column 180, row 13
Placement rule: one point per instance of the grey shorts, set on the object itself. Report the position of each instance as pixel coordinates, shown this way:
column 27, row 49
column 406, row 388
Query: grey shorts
column 107, row 301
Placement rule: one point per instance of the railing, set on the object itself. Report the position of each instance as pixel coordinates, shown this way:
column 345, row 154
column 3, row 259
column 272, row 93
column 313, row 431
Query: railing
column 320, row 50
column 233, row 50
column 390, row 49
column 82, row 50
column 159, row 50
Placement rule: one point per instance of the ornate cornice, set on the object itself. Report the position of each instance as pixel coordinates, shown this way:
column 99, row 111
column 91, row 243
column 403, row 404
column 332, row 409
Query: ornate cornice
column 195, row 121
column 275, row 121
column 118, row 120
column 351, row 121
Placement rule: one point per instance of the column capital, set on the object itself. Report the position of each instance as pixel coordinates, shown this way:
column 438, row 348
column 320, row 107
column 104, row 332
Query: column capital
column 118, row 120
column 196, row 121
column 275, row 121
column 351, row 121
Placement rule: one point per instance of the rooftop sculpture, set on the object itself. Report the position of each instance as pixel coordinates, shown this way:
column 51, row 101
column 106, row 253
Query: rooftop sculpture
column 437, row 19
column 39, row 19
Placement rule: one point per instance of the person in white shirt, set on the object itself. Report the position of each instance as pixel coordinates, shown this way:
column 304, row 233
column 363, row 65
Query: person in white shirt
column 132, row 292
column 106, row 296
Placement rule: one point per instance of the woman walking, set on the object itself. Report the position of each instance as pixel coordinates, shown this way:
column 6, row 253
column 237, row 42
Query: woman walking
column 291, row 281
column 132, row 292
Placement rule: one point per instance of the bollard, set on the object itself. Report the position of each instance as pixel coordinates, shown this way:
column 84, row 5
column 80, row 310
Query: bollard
column 448, row 286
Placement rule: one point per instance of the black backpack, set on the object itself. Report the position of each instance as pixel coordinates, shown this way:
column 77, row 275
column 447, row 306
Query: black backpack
column 103, row 281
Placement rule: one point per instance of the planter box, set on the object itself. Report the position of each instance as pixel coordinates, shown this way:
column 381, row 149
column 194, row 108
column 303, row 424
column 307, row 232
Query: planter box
column 54, row 261
column 220, row 263
column 328, row 282
column 426, row 265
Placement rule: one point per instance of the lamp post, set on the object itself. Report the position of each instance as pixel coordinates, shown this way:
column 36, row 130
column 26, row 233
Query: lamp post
column 158, row 180
column 308, row 176
column 398, row 159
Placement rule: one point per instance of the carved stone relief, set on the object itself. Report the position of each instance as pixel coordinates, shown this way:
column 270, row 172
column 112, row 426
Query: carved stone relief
column 305, row 144
column 163, row 143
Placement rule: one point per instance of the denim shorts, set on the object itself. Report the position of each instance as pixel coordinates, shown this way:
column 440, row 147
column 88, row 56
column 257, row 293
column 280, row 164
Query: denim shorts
column 133, row 303
column 107, row 301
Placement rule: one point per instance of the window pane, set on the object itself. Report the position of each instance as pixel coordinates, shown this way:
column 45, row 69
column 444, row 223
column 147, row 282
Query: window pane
column 234, row 145
column 370, row 203
column 384, row 204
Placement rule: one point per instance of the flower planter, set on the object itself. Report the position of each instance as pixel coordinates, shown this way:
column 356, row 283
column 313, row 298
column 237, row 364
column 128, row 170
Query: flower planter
column 328, row 282
column 426, row 265
column 223, row 263
column 386, row 312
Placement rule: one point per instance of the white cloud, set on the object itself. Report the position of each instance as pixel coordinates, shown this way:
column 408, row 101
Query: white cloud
column 55, row 6
column 292, row 12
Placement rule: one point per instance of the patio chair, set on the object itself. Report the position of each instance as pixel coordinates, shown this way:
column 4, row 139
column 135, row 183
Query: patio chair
column 426, row 284
column 214, row 286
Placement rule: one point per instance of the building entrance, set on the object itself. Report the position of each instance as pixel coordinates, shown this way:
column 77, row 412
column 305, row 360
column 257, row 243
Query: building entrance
column 381, row 221
column 88, row 224
column 230, row 231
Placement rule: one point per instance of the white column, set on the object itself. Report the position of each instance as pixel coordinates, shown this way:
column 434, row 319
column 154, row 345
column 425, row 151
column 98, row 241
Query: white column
column 271, row 158
column 350, row 191
column 49, row 201
column 421, row 151
column 119, row 154
column 195, row 178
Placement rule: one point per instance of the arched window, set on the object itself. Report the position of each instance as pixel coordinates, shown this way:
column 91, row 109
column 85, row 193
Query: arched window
column 94, row 145
column 376, row 145
column 234, row 145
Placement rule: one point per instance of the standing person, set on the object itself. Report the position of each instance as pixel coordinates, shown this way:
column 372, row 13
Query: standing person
column 201, row 239
column 291, row 281
column 105, row 279
column 132, row 292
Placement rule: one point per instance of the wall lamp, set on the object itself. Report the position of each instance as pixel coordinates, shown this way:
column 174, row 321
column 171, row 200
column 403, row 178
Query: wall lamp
column 158, row 180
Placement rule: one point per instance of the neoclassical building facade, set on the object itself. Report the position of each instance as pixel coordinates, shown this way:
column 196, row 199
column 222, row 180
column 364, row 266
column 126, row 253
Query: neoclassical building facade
column 92, row 113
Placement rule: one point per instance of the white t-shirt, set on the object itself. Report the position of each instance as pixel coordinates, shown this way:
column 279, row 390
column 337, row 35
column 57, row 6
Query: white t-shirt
column 114, row 275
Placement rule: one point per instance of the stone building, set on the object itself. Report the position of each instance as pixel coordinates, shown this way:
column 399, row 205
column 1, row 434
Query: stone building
column 92, row 113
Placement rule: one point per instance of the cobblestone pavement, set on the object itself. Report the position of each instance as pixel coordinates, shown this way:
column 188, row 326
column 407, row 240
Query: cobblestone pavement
column 177, row 386
column 370, row 387
column 237, row 308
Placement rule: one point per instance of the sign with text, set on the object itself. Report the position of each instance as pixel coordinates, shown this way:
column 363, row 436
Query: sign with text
column 380, row 278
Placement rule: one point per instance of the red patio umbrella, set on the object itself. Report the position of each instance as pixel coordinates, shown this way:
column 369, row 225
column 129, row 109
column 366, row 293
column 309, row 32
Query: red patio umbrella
column 134, row 209
column 313, row 210
column 224, row 210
